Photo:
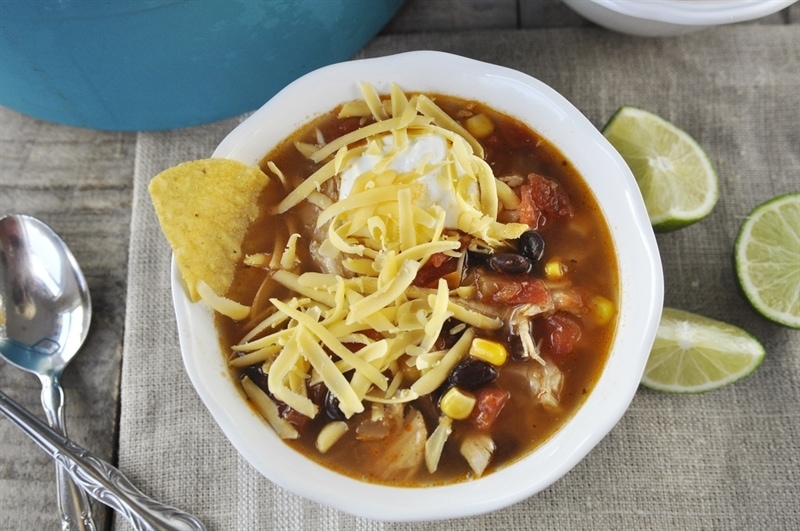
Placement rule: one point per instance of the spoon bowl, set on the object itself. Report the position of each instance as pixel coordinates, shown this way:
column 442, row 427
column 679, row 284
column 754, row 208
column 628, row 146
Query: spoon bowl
column 45, row 298
column 45, row 313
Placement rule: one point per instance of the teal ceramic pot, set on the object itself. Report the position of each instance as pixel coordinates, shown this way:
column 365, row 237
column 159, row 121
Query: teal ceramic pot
column 130, row 65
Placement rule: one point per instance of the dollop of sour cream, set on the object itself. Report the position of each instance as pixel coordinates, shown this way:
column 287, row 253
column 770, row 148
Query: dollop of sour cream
column 430, row 150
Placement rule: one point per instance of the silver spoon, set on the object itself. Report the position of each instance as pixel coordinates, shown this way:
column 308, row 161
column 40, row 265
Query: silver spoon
column 47, row 309
column 104, row 482
column 45, row 313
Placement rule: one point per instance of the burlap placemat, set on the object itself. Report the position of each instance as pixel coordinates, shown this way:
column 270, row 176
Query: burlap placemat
column 723, row 460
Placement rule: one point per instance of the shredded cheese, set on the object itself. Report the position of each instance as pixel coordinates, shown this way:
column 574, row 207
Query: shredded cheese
column 408, row 184
column 268, row 409
column 223, row 305
column 435, row 443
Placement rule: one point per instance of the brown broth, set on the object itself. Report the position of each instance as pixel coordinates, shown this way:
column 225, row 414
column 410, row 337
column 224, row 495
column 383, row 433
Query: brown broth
column 583, row 243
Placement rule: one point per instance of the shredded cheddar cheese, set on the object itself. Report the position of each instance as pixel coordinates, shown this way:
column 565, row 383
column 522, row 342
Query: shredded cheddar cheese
column 408, row 184
column 223, row 305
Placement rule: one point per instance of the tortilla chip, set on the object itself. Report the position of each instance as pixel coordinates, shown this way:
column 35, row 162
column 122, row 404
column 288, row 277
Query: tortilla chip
column 204, row 208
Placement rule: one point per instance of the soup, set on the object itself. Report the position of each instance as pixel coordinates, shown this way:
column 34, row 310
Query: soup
column 432, row 290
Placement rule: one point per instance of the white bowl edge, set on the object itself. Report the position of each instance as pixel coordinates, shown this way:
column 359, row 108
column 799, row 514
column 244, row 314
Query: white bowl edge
column 696, row 12
column 669, row 18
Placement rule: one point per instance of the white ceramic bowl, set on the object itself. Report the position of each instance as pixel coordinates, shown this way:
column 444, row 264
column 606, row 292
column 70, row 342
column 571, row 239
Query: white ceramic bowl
column 662, row 18
column 641, row 289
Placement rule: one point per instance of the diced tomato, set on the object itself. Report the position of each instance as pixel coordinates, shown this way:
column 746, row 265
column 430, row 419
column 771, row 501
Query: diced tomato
column 528, row 211
column 437, row 266
column 489, row 401
column 574, row 300
column 529, row 291
column 558, row 334
column 509, row 290
column 437, row 259
column 298, row 420
column 541, row 201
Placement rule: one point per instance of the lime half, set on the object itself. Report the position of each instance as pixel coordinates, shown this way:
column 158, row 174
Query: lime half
column 694, row 354
column 678, row 183
column 767, row 259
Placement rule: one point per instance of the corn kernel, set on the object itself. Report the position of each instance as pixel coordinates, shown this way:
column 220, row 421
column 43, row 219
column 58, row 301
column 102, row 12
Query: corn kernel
column 554, row 270
column 602, row 310
column 489, row 351
column 479, row 126
column 457, row 404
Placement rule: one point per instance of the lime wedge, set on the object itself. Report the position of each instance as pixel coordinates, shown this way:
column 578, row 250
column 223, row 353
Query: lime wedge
column 678, row 183
column 694, row 354
column 767, row 259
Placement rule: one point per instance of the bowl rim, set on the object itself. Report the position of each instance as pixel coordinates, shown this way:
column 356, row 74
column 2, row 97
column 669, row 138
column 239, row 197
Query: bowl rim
column 695, row 12
column 640, row 275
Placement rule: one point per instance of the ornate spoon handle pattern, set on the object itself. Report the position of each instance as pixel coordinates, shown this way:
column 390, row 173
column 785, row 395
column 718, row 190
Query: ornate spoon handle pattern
column 98, row 478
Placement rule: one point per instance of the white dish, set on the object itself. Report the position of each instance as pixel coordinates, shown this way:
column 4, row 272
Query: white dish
column 662, row 18
column 640, row 301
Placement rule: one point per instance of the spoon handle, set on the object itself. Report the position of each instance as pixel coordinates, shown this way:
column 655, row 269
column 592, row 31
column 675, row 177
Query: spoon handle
column 97, row 477
column 73, row 504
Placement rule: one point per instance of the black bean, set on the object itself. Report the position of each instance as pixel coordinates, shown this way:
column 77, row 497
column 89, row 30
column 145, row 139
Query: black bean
column 452, row 330
column 331, row 407
column 317, row 393
column 510, row 263
column 531, row 245
column 476, row 259
column 515, row 349
column 257, row 376
column 472, row 374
